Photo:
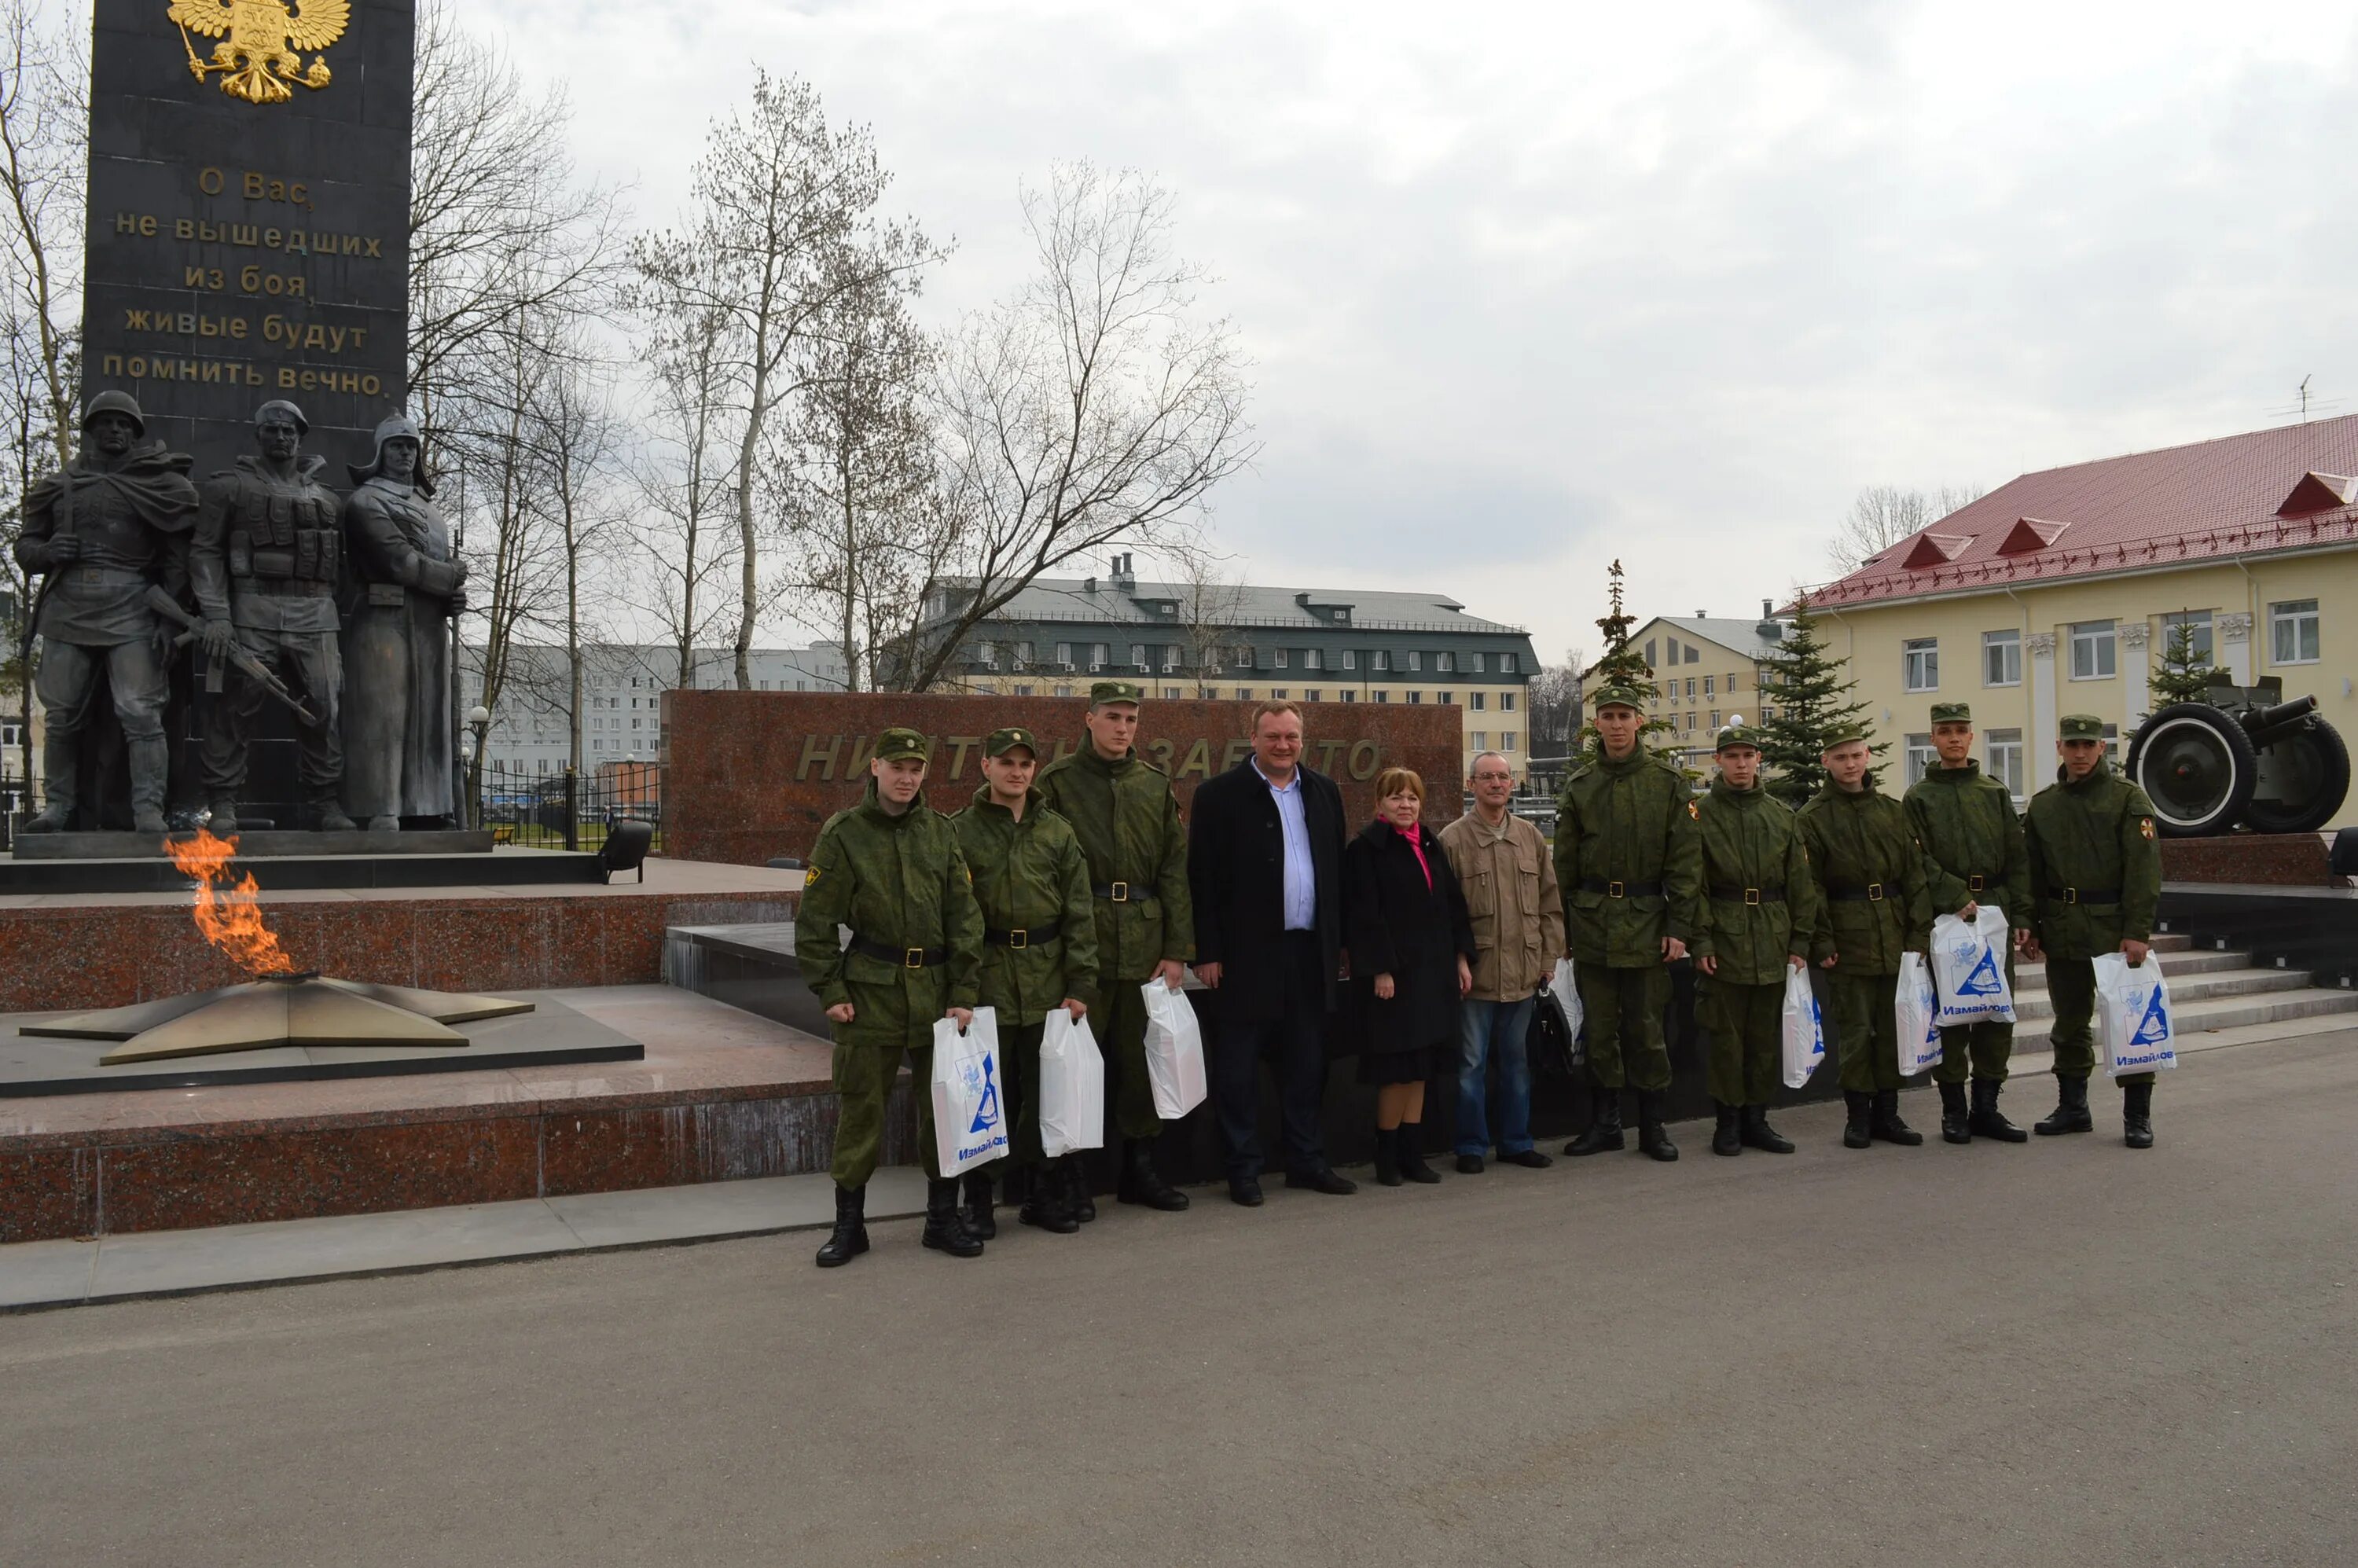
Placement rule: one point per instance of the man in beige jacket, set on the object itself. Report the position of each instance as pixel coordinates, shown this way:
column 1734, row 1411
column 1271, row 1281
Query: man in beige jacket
column 1511, row 890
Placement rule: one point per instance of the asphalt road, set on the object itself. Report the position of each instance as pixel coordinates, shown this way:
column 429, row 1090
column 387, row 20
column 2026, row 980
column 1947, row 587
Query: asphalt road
column 2064, row 1353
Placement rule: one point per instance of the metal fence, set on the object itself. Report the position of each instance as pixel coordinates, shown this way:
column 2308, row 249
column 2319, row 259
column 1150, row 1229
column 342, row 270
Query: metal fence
column 570, row 810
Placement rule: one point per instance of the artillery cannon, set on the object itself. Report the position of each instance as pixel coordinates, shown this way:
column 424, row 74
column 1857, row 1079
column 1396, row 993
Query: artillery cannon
column 2244, row 755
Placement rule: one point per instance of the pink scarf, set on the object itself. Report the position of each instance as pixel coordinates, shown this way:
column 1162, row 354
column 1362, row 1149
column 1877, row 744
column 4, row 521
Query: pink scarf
column 1414, row 834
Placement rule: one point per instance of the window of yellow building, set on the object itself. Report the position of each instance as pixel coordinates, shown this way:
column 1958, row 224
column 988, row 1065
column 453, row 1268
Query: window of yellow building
column 2093, row 650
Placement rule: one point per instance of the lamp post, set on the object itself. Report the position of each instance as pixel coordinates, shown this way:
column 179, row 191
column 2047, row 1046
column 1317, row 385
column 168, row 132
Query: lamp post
column 479, row 719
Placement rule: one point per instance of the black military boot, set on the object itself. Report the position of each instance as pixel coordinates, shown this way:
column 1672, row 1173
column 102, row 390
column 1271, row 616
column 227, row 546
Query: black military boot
column 1955, row 1124
column 151, row 761
column 60, row 756
column 2071, row 1114
column 1141, row 1183
column 1046, row 1207
column 1388, row 1173
column 1987, row 1120
column 1727, row 1133
column 1603, row 1126
column 946, row 1230
column 1855, row 1134
column 980, row 1221
column 1758, row 1134
column 2137, row 1115
column 1652, row 1141
column 1412, row 1158
column 1885, row 1122
column 222, row 821
column 850, row 1238
column 1077, row 1197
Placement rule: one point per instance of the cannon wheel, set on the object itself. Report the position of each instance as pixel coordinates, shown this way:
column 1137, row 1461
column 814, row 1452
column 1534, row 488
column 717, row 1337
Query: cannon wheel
column 2311, row 767
column 2196, row 764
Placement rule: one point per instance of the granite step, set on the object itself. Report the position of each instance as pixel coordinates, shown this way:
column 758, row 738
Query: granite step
column 2031, row 1002
column 2174, row 962
column 2234, row 1012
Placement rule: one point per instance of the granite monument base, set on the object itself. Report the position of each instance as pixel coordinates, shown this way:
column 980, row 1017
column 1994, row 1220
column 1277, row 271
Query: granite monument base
column 253, row 845
column 2277, row 859
column 299, row 870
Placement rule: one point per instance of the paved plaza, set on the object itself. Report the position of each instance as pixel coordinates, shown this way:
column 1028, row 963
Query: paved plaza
column 2064, row 1353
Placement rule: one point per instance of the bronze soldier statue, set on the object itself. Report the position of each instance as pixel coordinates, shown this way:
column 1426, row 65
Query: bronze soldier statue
column 99, row 532
column 264, row 563
column 396, row 643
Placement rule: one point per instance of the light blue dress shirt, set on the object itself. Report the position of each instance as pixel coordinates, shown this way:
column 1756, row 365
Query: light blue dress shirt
column 1301, row 872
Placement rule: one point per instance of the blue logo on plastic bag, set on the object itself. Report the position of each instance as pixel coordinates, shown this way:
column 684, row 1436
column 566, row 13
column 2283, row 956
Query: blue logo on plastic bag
column 2153, row 1029
column 986, row 1112
column 1984, row 980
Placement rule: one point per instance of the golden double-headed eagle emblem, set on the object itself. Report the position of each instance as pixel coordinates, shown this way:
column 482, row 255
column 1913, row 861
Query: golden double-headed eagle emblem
column 261, row 57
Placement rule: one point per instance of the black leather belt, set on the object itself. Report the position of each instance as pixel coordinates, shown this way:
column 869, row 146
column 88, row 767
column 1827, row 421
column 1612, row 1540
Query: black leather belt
column 2084, row 895
column 1873, row 893
column 1023, row 937
column 1975, row 884
column 1735, row 894
column 1620, row 890
column 1122, row 892
column 907, row 957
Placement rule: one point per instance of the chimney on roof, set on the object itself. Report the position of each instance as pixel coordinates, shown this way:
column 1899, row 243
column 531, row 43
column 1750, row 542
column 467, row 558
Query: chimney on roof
column 1702, row 615
column 1769, row 631
column 1124, row 578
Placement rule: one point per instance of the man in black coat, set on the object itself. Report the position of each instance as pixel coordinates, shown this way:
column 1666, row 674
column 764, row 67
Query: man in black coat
column 1265, row 867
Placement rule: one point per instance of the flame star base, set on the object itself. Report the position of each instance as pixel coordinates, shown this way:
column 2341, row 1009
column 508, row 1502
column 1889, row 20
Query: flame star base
column 275, row 1011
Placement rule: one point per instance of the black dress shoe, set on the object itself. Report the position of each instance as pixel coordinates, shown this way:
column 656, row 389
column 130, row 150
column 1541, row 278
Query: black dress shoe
column 1529, row 1159
column 1469, row 1164
column 1245, row 1191
column 1321, row 1180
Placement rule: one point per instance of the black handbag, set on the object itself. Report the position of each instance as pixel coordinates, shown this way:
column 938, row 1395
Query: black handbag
column 1553, row 1048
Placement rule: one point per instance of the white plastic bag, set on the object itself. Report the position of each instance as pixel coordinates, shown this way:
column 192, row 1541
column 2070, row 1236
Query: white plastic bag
column 1804, row 1029
column 1969, row 968
column 1916, row 1017
column 1071, row 1086
column 2132, row 1019
column 1566, row 987
column 969, row 1113
column 1175, row 1050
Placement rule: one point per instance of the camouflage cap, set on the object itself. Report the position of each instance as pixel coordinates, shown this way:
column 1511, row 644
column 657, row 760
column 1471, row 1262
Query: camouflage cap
column 1737, row 735
column 1952, row 713
column 1844, row 734
column 2082, row 727
column 120, row 402
column 1105, row 691
column 1001, row 742
column 1622, row 694
column 898, row 742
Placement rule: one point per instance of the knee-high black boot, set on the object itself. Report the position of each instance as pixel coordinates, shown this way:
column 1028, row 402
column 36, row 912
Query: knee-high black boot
column 979, row 1220
column 849, row 1240
column 946, row 1231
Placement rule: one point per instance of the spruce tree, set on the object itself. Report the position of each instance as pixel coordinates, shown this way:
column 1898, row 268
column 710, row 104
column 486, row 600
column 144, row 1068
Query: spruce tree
column 1622, row 665
column 1811, row 697
column 2181, row 676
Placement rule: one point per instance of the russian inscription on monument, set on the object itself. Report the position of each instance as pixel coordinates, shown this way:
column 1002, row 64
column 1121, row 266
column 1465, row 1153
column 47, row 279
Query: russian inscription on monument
column 249, row 217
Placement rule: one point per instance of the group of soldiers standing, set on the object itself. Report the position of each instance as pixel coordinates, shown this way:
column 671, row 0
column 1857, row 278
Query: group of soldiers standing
column 336, row 607
column 1065, row 885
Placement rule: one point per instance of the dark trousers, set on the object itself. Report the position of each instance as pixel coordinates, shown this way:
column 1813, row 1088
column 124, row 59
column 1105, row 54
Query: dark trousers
column 1295, row 1042
column 309, row 665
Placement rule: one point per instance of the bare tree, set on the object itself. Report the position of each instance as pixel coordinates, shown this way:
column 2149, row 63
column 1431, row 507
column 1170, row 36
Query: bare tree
column 1554, row 698
column 854, row 483
column 499, row 223
column 782, row 222
column 576, row 442
column 684, row 535
column 44, row 152
column 1211, row 602
column 1883, row 515
column 1096, row 406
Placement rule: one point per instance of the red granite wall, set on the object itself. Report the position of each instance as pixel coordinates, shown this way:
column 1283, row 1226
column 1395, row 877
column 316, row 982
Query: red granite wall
column 753, row 774
column 108, row 954
column 2277, row 859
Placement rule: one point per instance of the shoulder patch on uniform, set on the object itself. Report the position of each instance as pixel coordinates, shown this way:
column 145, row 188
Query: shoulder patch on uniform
column 2145, row 826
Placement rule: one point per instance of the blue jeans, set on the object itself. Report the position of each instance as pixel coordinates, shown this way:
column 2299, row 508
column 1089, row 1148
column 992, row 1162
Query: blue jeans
column 1484, row 1029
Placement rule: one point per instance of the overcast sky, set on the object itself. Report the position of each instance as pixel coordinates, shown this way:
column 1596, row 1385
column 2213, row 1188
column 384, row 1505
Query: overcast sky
column 1528, row 288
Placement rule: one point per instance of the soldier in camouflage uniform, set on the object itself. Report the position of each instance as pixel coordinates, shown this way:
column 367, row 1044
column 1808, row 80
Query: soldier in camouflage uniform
column 1761, row 910
column 1973, row 854
column 890, row 869
column 2095, row 870
column 1871, row 871
column 1630, row 871
column 1128, row 820
column 1039, row 953
column 267, row 556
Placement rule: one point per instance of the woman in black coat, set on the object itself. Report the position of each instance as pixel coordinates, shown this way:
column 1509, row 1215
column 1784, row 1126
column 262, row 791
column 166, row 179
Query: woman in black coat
column 1411, row 948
